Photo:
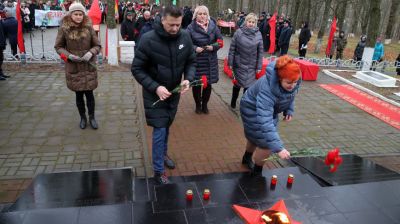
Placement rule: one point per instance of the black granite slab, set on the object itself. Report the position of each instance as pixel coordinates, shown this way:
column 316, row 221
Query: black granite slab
column 143, row 214
column 353, row 170
column 368, row 217
column 75, row 189
column 106, row 214
column 12, row 217
column 59, row 216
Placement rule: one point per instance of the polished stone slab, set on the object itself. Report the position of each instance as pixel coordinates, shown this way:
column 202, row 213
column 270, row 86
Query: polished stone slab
column 76, row 189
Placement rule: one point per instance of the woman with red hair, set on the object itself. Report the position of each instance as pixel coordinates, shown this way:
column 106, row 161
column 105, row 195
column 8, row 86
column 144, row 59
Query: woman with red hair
column 260, row 107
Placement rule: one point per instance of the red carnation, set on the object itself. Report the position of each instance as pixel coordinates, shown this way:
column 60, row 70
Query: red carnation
column 204, row 81
column 333, row 159
column 64, row 57
column 235, row 82
column 220, row 43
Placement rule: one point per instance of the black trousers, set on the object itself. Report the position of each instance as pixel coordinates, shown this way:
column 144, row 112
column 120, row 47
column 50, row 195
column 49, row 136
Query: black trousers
column 302, row 52
column 284, row 49
column 200, row 97
column 80, row 102
column 235, row 94
column 1, row 61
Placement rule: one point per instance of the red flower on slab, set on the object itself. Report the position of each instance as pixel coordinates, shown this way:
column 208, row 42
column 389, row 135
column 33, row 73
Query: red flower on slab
column 333, row 159
column 64, row 57
column 204, row 81
column 220, row 43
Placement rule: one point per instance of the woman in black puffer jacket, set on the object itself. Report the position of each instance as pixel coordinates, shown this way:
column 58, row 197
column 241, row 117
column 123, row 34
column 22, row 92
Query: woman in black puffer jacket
column 207, row 40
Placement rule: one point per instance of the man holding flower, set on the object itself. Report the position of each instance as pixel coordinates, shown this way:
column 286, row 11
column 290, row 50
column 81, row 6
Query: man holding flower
column 162, row 57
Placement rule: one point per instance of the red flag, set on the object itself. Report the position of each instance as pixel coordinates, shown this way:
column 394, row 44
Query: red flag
column 20, row 38
column 331, row 34
column 95, row 12
column 272, row 25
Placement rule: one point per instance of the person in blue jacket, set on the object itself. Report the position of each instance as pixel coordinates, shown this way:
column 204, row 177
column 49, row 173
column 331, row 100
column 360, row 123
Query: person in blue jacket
column 260, row 107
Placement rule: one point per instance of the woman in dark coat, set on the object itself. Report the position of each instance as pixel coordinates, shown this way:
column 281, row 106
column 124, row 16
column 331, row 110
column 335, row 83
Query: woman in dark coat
column 77, row 40
column 359, row 51
column 260, row 107
column 207, row 40
column 245, row 56
column 304, row 37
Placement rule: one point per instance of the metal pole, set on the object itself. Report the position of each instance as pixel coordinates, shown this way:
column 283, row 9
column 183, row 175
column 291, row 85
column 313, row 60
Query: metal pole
column 43, row 57
column 30, row 36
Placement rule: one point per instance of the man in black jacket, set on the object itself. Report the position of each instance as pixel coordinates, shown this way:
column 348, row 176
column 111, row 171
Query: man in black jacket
column 162, row 56
column 128, row 27
column 284, row 38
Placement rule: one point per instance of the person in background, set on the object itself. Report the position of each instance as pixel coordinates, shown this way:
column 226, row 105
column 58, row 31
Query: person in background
column 2, row 48
column 379, row 52
column 304, row 37
column 340, row 45
column 245, row 56
column 359, row 51
column 284, row 38
column 77, row 40
column 163, row 60
column 271, row 95
column 143, row 25
column 128, row 27
column 398, row 64
column 207, row 40
column 265, row 32
column 10, row 27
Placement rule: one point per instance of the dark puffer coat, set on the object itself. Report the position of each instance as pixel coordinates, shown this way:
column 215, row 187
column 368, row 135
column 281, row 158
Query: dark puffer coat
column 260, row 106
column 246, row 55
column 160, row 60
column 206, row 61
column 80, row 76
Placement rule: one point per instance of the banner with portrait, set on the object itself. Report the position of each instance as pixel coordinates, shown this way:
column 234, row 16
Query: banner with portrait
column 48, row 18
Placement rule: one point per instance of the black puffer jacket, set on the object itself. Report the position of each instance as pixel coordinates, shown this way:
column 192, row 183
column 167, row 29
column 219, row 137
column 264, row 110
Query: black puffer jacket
column 160, row 60
column 206, row 61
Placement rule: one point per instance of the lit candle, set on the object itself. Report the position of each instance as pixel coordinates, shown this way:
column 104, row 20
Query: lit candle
column 189, row 195
column 274, row 180
column 206, row 194
column 290, row 179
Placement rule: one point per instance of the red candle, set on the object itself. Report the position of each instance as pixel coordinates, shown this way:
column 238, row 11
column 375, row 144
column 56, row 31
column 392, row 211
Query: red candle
column 290, row 179
column 274, row 180
column 189, row 195
column 206, row 194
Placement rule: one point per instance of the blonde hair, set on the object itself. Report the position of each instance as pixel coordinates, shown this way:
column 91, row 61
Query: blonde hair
column 199, row 8
column 250, row 16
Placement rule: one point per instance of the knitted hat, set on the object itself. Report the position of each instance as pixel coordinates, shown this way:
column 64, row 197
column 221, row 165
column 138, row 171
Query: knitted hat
column 76, row 6
column 287, row 68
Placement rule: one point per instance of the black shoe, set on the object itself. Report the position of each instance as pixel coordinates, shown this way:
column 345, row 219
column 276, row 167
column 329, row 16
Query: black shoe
column 205, row 109
column 93, row 122
column 257, row 170
column 198, row 109
column 247, row 160
column 169, row 163
column 233, row 104
column 83, row 123
column 5, row 76
column 161, row 178
column 2, row 78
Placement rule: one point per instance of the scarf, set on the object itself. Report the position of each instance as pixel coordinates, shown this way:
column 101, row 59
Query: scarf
column 203, row 24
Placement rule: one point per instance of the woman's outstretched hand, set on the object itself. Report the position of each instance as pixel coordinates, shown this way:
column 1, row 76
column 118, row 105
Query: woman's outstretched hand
column 284, row 154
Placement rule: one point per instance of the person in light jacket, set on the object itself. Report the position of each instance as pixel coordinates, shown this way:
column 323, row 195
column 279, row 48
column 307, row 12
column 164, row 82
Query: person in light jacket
column 271, row 95
column 379, row 52
column 245, row 55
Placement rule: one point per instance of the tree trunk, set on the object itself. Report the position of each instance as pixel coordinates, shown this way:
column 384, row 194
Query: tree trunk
column 392, row 18
column 323, row 25
column 341, row 14
column 213, row 7
column 373, row 26
column 366, row 17
column 111, row 14
column 296, row 13
column 308, row 17
column 112, row 33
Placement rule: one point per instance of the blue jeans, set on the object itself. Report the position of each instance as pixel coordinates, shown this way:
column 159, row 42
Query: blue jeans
column 160, row 147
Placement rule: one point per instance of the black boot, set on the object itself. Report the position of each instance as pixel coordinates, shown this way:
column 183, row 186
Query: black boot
column 205, row 98
column 161, row 178
column 196, row 90
column 93, row 122
column 248, row 160
column 257, row 170
column 235, row 95
column 83, row 122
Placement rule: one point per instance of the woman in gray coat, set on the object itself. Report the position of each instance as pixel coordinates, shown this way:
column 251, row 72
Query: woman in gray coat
column 260, row 107
column 245, row 55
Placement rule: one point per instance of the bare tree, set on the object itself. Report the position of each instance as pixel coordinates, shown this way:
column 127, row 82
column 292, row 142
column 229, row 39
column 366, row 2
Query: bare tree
column 321, row 31
column 373, row 26
column 366, row 17
column 392, row 18
column 111, row 14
